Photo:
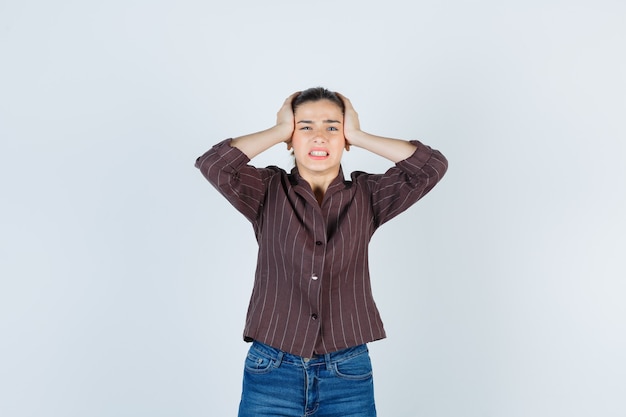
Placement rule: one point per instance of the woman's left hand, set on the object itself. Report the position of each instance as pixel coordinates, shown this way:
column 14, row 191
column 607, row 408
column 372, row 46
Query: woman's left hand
column 395, row 150
column 351, row 124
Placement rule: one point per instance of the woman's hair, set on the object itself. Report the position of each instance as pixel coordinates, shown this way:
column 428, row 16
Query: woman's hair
column 316, row 94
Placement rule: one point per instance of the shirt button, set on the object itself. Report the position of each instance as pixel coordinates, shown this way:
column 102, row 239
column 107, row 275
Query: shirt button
column 318, row 243
column 314, row 277
column 314, row 316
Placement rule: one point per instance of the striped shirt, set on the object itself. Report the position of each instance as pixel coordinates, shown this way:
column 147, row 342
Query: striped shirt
column 312, row 292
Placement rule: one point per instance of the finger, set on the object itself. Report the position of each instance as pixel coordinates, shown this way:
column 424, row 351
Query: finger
column 292, row 97
column 341, row 96
column 346, row 101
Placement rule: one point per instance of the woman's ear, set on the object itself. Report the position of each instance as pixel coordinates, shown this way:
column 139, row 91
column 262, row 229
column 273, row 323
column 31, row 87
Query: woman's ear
column 288, row 142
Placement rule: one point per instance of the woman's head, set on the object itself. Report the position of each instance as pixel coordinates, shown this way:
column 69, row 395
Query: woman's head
column 318, row 140
column 317, row 94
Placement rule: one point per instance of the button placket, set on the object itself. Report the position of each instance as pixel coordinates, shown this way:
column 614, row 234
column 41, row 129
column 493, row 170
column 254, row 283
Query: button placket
column 314, row 275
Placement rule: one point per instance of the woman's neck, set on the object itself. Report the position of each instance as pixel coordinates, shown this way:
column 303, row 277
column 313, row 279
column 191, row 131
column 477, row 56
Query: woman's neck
column 319, row 183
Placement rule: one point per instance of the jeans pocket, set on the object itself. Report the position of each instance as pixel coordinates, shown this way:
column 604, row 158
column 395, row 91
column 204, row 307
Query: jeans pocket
column 257, row 363
column 357, row 367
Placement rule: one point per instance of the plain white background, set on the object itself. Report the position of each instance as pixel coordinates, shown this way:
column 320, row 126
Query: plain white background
column 125, row 276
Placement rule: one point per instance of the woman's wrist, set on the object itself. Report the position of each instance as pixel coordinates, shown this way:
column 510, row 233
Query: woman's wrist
column 393, row 149
column 282, row 132
column 355, row 138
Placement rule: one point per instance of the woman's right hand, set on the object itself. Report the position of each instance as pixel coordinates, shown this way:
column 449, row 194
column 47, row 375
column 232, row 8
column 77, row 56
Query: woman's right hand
column 255, row 143
column 285, row 119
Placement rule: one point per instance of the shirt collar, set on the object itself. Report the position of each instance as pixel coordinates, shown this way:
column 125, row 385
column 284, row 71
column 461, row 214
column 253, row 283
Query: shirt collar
column 339, row 179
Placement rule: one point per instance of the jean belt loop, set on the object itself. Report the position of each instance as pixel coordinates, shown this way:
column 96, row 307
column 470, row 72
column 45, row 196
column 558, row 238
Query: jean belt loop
column 329, row 363
column 279, row 358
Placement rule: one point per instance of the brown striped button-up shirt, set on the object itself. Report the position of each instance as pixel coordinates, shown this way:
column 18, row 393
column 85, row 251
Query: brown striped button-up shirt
column 312, row 292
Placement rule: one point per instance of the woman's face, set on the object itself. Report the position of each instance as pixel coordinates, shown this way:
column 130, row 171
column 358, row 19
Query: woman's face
column 318, row 141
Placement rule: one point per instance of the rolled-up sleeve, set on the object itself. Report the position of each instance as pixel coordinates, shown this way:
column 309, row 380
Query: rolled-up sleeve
column 227, row 169
column 407, row 182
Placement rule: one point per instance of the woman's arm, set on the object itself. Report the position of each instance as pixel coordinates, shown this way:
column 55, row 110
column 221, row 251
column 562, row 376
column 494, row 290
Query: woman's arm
column 255, row 143
column 395, row 150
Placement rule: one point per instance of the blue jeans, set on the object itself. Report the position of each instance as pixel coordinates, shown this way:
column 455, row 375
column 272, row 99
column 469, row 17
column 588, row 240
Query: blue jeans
column 337, row 384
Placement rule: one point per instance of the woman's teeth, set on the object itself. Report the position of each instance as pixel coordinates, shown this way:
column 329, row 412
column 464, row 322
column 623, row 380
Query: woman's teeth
column 318, row 153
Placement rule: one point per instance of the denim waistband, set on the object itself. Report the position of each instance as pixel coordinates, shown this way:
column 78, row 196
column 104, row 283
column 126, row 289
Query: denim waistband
column 328, row 358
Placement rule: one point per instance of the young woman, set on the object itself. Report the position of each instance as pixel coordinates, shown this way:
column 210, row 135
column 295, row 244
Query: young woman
column 311, row 312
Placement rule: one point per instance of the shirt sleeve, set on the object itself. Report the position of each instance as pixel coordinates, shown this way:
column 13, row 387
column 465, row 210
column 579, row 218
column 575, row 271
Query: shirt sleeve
column 243, row 185
column 405, row 183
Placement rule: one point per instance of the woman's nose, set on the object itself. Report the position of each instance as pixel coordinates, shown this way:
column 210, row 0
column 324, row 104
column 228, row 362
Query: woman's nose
column 320, row 136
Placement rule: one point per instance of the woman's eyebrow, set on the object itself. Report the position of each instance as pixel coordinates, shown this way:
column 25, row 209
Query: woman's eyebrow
column 323, row 121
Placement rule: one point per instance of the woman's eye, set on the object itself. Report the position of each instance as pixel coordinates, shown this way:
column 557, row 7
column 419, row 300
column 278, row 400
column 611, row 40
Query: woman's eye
column 305, row 128
column 333, row 128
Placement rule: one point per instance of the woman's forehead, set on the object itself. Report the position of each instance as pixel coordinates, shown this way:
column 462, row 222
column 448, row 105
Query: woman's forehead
column 318, row 108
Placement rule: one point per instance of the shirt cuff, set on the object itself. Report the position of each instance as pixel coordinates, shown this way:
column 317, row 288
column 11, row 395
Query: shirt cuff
column 229, row 155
